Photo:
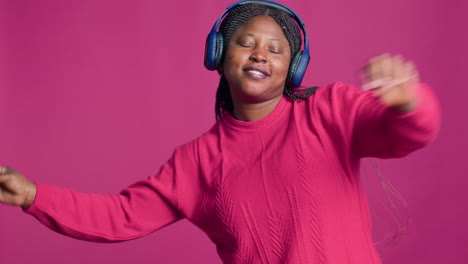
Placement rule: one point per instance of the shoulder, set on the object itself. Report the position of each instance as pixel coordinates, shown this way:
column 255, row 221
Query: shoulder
column 336, row 103
column 200, row 145
column 336, row 96
column 339, row 91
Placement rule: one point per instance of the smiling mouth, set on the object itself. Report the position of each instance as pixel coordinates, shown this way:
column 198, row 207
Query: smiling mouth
column 256, row 72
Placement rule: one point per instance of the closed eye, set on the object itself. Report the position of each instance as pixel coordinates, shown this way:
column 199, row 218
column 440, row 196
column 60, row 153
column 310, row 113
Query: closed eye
column 245, row 45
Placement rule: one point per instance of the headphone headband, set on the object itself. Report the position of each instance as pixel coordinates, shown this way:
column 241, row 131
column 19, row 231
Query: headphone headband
column 213, row 51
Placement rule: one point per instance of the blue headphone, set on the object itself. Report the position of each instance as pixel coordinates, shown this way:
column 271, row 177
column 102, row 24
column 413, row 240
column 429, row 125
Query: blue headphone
column 299, row 61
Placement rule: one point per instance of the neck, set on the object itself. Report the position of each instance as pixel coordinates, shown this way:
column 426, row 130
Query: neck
column 254, row 111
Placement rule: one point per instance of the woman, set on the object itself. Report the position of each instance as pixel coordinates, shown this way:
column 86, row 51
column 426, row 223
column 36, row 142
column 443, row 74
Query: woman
column 276, row 179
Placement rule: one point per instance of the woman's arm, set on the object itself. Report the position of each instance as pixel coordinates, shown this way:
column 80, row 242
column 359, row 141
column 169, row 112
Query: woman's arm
column 403, row 117
column 142, row 208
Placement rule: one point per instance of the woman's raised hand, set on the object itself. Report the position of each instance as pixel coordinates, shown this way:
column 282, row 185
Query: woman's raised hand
column 15, row 189
column 393, row 80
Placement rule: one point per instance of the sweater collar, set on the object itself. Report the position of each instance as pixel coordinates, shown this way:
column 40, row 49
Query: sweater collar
column 229, row 120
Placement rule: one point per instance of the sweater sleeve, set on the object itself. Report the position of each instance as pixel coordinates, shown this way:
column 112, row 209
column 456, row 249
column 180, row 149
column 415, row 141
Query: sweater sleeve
column 386, row 132
column 371, row 129
column 142, row 208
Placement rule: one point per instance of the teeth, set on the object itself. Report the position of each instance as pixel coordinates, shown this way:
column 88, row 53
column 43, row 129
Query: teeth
column 256, row 72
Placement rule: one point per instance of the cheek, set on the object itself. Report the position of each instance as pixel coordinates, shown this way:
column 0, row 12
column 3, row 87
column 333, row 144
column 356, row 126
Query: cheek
column 282, row 68
column 229, row 62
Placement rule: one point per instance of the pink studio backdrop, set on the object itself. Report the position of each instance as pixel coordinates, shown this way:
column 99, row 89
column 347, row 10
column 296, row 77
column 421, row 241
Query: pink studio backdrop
column 95, row 95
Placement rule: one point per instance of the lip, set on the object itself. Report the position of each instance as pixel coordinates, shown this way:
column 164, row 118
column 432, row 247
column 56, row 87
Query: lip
column 265, row 73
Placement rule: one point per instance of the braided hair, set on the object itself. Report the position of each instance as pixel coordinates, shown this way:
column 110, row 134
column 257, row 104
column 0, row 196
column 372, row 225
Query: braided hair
column 236, row 18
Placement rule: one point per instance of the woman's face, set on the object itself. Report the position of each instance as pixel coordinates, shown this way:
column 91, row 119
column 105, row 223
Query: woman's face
column 257, row 61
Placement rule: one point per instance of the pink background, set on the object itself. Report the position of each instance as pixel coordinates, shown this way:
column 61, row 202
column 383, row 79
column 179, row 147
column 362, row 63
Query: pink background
column 95, row 95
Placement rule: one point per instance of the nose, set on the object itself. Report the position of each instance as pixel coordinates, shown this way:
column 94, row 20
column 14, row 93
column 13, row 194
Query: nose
column 258, row 55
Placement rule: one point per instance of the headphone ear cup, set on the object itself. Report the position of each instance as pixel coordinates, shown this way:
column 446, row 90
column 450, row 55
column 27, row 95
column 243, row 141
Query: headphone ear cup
column 219, row 50
column 213, row 50
column 292, row 73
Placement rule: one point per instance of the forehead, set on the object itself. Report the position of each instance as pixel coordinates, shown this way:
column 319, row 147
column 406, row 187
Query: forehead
column 264, row 25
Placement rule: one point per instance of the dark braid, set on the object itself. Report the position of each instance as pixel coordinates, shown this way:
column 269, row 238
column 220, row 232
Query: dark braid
column 223, row 98
column 300, row 94
column 236, row 18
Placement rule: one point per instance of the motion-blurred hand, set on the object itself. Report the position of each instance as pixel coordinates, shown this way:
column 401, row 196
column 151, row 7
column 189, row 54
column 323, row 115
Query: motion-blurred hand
column 393, row 79
column 15, row 189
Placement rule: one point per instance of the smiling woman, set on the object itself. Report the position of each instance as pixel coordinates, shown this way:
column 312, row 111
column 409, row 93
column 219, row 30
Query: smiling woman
column 256, row 66
column 276, row 179
column 233, row 33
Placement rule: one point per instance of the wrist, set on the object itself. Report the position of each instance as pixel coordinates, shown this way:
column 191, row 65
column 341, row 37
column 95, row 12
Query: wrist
column 30, row 196
column 408, row 107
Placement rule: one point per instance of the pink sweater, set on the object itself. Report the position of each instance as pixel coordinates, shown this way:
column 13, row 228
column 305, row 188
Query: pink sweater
column 283, row 189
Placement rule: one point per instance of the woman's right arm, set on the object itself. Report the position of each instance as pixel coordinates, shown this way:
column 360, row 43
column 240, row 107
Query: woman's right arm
column 140, row 209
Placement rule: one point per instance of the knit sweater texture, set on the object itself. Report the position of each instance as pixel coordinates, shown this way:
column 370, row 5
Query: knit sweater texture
column 282, row 189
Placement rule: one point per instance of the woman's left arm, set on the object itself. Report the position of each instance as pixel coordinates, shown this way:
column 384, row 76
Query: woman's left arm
column 412, row 116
